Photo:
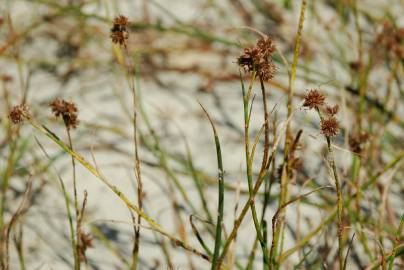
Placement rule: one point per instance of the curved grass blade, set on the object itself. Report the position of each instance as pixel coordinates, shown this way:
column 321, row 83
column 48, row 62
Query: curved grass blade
column 219, row 222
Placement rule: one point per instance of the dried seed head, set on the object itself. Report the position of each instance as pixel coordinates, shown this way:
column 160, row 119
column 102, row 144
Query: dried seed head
column 67, row 110
column 313, row 99
column 392, row 39
column 357, row 142
column 119, row 32
column 267, row 71
column 267, row 46
column 249, row 59
column 332, row 110
column 119, row 37
column 329, row 127
column 19, row 113
column 259, row 58
column 121, row 21
column 85, row 241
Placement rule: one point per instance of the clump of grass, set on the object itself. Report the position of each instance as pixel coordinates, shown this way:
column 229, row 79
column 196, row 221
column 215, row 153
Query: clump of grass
column 358, row 56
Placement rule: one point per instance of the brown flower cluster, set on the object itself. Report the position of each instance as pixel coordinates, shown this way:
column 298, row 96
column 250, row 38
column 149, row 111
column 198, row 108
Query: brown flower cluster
column 315, row 100
column 332, row 110
column 357, row 142
column 392, row 39
column 119, row 31
column 19, row 113
column 259, row 58
column 329, row 126
column 67, row 110
column 85, row 241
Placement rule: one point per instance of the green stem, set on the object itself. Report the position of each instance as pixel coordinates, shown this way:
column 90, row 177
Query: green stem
column 153, row 224
column 218, row 236
column 331, row 161
column 76, row 206
column 285, row 173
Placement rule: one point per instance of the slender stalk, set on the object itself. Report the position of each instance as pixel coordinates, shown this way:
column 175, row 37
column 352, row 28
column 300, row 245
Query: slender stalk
column 331, row 160
column 5, row 183
column 67, row 205
column 76, row 206
column 239, row 220
column 199, row 237
column 340, row 226
column 397, row 243
column 138, row 176
column 4, row 186
column 249, row 157
column 218, row 235
column 285, row 167
column 18, row 242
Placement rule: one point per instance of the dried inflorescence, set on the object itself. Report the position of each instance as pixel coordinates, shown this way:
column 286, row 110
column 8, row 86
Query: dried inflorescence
column 119, row 31
column 313, row 99
column 266, row 46
column 357, row 142
column 85, row 241
column 67, row 110
column 332, row 110
column 316, row 100
column 258, row 58
column 19, row 113
column 392, row 39
column 329, row 127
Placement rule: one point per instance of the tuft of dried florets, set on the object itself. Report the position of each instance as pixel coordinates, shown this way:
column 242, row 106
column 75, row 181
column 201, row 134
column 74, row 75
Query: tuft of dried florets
column 267, row 71
column 357, row 142
column 332, row 110
column 266, row 45
column 313, row 99
column 19, row 113
column 85, row 241
column 121, row 21
column 392, row 39
column 249, row 59
column 259, row 58
column 119, row 31
column 67, row 110
column 329, row 127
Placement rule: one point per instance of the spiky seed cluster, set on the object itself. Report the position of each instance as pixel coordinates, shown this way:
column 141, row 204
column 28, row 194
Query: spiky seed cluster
column 67, row 110
column 313, row 99
column 19, row 113
column 119, row 31
column 329, row 126
column 392, row 39
column 259, row 58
